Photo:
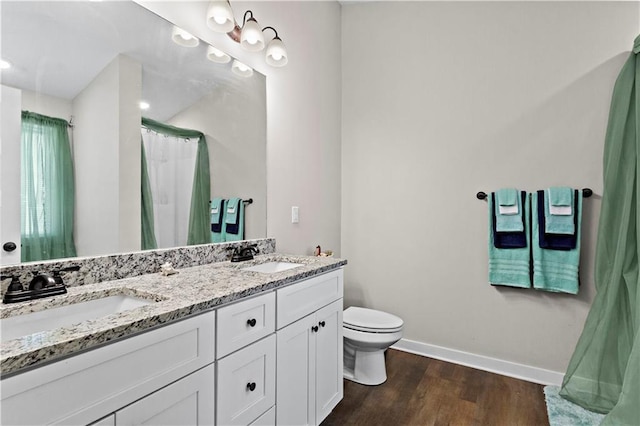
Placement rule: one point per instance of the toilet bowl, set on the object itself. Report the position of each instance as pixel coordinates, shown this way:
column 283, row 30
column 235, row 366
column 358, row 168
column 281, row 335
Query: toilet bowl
column 367, row 334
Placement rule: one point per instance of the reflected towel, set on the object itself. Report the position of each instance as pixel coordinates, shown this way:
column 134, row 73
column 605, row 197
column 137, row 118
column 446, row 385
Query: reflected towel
column 556, row 270
column 234, row 221
column 509, row 267
column 218, row 206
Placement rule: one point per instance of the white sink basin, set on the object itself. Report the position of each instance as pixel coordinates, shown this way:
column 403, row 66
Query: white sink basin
column 49, row 319
column 272, row 267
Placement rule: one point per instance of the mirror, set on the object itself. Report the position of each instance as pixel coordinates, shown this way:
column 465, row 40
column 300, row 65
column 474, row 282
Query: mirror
column 95, row 61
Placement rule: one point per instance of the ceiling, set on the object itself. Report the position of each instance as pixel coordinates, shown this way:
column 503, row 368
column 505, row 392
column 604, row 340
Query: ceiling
column 57, row 48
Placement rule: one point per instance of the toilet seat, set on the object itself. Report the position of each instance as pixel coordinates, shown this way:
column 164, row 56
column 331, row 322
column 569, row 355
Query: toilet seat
column 371, row 321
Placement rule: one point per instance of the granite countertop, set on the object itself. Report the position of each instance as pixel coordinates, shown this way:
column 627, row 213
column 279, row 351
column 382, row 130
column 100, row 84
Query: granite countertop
column 193, row 290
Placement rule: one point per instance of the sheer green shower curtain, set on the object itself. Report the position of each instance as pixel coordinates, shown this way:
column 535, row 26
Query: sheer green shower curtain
column 199, row 218
column 604, row 372
column 47, row 188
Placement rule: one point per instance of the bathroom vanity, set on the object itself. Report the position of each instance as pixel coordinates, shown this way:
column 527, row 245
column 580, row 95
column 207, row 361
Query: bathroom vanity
column 215, row 344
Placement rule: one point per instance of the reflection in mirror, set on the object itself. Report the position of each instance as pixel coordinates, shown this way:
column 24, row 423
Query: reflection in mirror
column 96, row 62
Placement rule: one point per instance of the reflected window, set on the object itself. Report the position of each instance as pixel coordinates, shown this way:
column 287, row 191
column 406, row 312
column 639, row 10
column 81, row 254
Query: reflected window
column 47, row 188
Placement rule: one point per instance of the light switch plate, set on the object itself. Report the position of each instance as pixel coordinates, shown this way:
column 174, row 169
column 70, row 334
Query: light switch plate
column 295, row 218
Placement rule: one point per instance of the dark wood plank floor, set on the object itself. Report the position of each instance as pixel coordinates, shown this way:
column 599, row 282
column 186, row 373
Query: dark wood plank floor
column 424, row 391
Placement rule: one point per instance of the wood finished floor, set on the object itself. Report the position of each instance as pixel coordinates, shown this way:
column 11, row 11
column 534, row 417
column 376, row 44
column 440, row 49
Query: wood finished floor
column 424, row 391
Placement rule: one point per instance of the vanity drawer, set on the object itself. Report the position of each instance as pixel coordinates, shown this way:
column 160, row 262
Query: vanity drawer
column 304, row 297
column 245, row 322
column 247, row 383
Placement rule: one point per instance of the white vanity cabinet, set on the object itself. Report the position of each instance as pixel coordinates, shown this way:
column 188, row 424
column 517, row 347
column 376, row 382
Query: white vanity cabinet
column 273, row 358
column 309, row 345
column 91, row 385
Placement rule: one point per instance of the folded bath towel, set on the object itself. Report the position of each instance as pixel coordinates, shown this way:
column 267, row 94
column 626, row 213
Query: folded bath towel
column 234, row 220
column 556, row 270
column 509, row 239
column 509, row 267
column 217, row 220
column 558, row 224
column 553, row 241
column 509, row 222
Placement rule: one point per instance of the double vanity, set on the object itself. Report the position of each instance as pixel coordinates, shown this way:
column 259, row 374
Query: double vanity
column 256, row 342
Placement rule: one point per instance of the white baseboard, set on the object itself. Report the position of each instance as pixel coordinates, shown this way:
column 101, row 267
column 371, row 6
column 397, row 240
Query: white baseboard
column 480, row 362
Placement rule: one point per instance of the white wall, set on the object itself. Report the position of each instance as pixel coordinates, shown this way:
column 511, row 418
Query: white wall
column 303, row 113
column 484, row 95
column 46, row 105
column 107, row 161
column 10, row 117
column 234, row 121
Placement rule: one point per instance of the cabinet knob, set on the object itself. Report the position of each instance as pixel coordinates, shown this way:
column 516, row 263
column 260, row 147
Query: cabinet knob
column 251, row 386
column 251, row 322
column 314, row 328
column 321, row 323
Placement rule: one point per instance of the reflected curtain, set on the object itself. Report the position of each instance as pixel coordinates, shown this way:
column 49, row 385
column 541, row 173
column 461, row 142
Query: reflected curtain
column 198, row 226
column 47, row 189
column 604, row 371
column 148, row 241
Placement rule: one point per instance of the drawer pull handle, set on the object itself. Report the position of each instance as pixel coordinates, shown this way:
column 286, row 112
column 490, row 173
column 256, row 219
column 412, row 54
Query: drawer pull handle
column 314, row 328
column 321, row 323
column 251, row 322
column 251, row 386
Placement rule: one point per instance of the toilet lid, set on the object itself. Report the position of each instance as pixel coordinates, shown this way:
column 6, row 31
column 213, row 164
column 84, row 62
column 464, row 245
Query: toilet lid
column 364, row 319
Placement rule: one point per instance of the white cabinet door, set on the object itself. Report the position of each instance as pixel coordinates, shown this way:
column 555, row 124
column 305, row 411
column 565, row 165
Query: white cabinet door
column 189, row 401
column 309, row 373
column 296, row 373
column 329, row 358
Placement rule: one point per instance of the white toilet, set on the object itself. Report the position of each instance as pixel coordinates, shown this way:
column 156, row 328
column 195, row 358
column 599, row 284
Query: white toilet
column 367, row 334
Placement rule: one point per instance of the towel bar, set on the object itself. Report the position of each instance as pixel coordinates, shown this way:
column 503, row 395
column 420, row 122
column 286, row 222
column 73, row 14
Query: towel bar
column 586, row 193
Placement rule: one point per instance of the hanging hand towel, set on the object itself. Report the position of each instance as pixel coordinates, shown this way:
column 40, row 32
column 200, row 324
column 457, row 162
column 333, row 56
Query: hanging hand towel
column 509, row 222
column 218, row 206
column 509, row 239
column 509, row 267
column 507, row 200
column 554, row 241
column 555, row 270
column 558, row 224
column 234, row 221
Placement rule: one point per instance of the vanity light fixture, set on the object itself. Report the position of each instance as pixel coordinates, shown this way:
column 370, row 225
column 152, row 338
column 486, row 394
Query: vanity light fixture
column 250, row 36
column 218, row 56
column 241, row 69
column 183, row 38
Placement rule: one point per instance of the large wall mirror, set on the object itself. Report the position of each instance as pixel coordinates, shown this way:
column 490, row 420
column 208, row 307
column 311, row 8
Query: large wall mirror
column 95, row 62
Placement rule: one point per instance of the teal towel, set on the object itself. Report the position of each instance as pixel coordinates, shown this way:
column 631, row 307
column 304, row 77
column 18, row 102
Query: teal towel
column 218, row 217
column 509, row 267
column 507, row 196
column 560, row 196
column 232, row 210
column 555, row 224
column 238, row 214
column 509, row 222
column 555, row 270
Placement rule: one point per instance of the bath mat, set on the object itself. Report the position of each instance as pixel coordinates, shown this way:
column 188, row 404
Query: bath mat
column 564, row 413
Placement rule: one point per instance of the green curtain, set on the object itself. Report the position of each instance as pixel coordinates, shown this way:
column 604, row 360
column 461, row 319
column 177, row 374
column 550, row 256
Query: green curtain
column 148, row 233
column 47, row 189
column 199, row 219
column 604, row 372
